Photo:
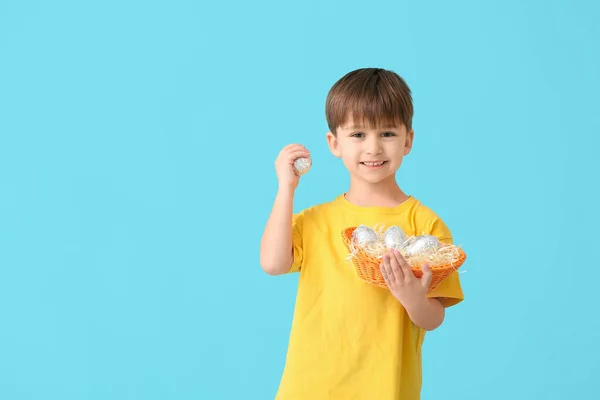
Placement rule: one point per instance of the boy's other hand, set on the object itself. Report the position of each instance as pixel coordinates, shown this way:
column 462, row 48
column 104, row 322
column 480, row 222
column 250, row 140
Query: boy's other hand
column 402, row 282
column 284, row 165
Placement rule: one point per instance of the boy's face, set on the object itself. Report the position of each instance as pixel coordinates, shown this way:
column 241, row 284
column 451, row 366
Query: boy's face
column 371, row 154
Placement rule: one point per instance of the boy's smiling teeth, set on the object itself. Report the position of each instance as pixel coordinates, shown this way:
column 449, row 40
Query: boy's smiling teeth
column 372, row 163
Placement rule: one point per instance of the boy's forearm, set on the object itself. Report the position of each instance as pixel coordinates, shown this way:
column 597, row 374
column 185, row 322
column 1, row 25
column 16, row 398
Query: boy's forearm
column 427, row 313
column 276, row 254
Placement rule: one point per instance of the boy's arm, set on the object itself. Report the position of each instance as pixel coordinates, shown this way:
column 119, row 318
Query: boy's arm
column 276, row 251
column 427, row 309
column 276, row 246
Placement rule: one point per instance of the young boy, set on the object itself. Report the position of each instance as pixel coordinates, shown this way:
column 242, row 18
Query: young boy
column 350, row 339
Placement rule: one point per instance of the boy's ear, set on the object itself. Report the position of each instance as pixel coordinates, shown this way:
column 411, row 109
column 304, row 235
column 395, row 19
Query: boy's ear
column 409, row 141
column 333, row 144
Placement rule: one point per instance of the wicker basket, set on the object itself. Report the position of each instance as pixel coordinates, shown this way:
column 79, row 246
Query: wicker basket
column 367, row 266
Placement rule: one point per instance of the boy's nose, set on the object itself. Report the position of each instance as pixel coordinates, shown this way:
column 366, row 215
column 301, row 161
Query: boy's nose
column 373, row 146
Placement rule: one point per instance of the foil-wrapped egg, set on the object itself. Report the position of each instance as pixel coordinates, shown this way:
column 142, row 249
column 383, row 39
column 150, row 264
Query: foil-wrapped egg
column 302, row 165
column 364, row 236
column 394, row 238
column 422, row 245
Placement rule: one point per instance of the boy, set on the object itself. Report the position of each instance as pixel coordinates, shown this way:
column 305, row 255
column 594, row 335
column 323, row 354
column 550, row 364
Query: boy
column 350, row 339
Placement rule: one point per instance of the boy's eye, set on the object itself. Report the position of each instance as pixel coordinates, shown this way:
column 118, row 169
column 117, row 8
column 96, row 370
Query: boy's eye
column 384, row 134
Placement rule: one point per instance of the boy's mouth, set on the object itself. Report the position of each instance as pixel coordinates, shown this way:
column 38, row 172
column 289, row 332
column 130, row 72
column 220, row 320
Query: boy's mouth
column 373, row 164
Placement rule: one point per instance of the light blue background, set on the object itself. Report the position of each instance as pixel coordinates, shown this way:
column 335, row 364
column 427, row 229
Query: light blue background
column 137, row 142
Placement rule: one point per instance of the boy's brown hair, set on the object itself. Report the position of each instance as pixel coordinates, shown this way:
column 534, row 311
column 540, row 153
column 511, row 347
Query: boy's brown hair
column 374, row 97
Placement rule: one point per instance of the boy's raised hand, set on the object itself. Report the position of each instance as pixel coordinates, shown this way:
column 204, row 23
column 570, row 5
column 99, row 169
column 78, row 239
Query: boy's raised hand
column 402, row 282
column 284, row 165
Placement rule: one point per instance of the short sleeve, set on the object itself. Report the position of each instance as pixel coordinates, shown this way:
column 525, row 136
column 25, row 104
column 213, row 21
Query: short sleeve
column 449, row 292
column 297, row 242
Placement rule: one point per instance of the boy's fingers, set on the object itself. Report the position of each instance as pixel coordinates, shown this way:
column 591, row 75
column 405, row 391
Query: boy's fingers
column 294, row 147
column 395, row 267
column 384, row 274
column 290, row 148
column 404, row 267
column 388, row 269
column 427, row 275
column 298, row 153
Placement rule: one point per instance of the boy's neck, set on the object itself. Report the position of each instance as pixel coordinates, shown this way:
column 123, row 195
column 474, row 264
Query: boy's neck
column 382, row 194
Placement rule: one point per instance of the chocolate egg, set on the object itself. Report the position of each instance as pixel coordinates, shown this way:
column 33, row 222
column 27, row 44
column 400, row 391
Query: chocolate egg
column 302, row 165
column 422, row 245
column 364, row 236
column 394, row 238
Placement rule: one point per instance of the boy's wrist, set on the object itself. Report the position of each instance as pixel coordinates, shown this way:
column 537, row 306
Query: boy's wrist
column 414, row 305
column 419, row 307
column 286, row 190
column 425, row 312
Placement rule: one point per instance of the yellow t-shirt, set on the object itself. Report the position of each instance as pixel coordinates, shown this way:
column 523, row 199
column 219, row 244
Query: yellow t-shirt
column 349, row 339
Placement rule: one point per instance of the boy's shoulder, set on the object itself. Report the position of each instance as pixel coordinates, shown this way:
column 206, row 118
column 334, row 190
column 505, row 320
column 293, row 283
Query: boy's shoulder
column 423, row 210
column 428, row 221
